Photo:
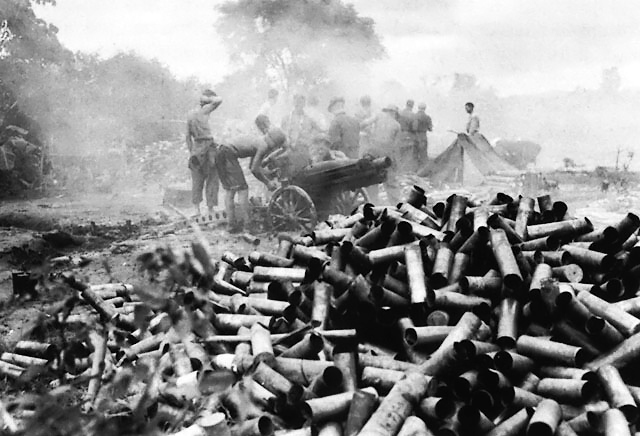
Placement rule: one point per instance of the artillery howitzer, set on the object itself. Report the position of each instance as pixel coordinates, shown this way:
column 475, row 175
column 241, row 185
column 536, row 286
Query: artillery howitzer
column 324, row 188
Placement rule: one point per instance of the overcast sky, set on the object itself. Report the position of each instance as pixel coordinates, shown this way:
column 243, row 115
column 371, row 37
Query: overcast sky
column 518, row 47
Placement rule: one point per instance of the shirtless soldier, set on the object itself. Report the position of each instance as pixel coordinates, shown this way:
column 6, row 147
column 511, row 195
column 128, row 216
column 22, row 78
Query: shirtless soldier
column 202, row 152
column 230, row 172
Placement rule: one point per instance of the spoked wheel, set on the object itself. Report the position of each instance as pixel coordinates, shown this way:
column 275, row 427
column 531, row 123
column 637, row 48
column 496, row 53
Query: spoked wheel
column 291, row 208
column 346, row 201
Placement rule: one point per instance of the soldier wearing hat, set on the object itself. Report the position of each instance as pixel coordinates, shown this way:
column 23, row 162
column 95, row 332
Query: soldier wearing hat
column 421, row 125
column 257, row 148
column 202, row 152
column 344, row 131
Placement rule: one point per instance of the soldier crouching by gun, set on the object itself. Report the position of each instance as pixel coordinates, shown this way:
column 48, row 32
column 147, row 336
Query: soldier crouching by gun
column 231, row 176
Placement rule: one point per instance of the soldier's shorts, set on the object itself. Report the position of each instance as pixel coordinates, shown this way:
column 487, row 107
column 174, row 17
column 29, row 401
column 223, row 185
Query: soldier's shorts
column 229, row 170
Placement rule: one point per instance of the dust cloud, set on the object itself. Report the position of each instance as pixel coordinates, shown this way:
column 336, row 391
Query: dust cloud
column 104, row 109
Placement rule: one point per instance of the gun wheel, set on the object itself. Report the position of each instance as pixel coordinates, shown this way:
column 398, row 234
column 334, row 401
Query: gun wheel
column 291, row 208
column 345, row 202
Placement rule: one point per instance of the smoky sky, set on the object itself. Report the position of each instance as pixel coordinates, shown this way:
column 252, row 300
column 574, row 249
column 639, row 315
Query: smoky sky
column 516, row 47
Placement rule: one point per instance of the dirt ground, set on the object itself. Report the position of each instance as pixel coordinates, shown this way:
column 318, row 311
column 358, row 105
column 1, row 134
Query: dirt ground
column 125, row 225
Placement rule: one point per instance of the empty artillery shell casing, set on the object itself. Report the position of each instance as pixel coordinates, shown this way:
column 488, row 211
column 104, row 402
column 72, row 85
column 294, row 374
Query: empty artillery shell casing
column 511, row 362
column 455, row 300
column 362, row 405
column 506, row 260
column 23, row 361
column 566, row 372
column 589, row 258
column 627, row 324
column 545, row 419
column 300, row 371
column 277, row 383
column 417, row 277
column 380, row 379
column 332, row 406
column 509, row 314
column 347, row 362
column 615, row 423
column 545, row 243
column 232, row 322
column 556, row 258
column 631, row 305
column 265, row 273
column 568, row 228
column 567, row 333
column 487, row 287
column 261, row 345
column 568, row 273
column 414, row 426
column 525, row 211
column 437, row 363
column 437, row 408
column 241, row 279
column 329, row 382
column 514, row 425
column 552, row 351
column 235, row 261
column 617, row 392
column 396, row 406
column 266, row 259
column 566, row 390
column 438, row 318
column 429, row 335
column 377, row 237
column 442, row 266
column 260, row 426
column 307, row 348
column 388, row 254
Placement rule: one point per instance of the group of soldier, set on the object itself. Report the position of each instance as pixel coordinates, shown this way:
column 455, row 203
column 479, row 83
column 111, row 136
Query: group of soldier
column 212, row 164
column 354, row 135
column 306, row 135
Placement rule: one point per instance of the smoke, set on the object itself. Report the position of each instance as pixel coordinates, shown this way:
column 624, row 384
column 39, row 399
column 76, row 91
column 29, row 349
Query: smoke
column 538, row 68
column 100, row 118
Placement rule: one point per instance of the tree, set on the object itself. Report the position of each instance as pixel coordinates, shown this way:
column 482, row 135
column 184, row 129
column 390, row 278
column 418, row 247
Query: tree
column 295, row 43
column 78, row 104
column 30, row 53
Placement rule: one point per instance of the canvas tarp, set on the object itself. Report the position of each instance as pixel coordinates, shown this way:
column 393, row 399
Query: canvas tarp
column 466, row 161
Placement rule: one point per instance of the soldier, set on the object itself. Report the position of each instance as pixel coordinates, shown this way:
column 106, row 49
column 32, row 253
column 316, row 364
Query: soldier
column 316, row 114
column 299, row 127
column 365, row 112
column 344, row 131
column 270, row 107
column 421, row 125
column 473, row 124
column 231, row 175
column 385, row 137
column 408, row 146
column 202, row 152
